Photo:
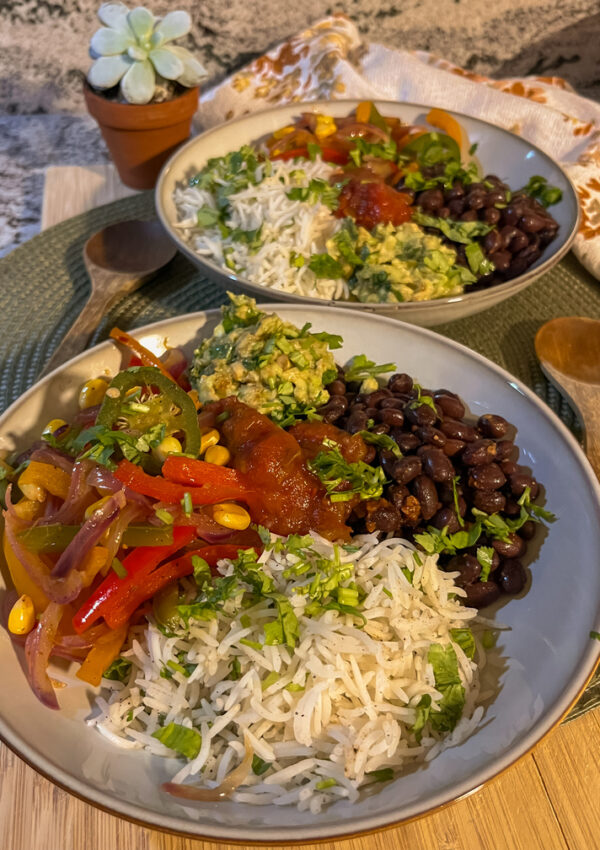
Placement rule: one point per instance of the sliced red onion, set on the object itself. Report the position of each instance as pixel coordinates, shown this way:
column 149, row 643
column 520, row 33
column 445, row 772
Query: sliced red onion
column 79, row 497
column 175, row 362
column 55, row 457
column 84, row 641
column 86, row 418
column 88, row 535
column 359, row 129
column 38, row 647
column 58, row 590
column 231, row 782
column 129, row 514
column 70, row 654
column 102, row 478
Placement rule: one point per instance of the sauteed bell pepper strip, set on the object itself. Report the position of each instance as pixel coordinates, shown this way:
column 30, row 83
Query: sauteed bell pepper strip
column 144, row 586
column 101, row 655
column 157, row 487
column 56, row 538
column 45, row 478
column 147, row 358
column 140, row 561
column 24, row 584
column 186, row 470
column 441, row 119
column 116, row 398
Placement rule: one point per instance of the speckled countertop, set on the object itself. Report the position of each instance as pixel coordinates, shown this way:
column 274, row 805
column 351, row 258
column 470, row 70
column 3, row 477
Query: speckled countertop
column 43, row 49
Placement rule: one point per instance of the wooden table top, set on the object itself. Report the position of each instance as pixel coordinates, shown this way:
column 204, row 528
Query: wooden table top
column 549, row 800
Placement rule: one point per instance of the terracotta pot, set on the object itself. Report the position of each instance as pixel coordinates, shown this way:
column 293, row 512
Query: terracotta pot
column 141, row 138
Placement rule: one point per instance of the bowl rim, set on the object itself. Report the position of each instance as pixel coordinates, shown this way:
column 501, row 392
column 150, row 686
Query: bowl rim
column 548, row 720
column 482, row 297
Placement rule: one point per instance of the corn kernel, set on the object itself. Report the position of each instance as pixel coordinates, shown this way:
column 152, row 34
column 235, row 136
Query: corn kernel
column 168, row 446
column 22, row 616
column 325, row 127
column 231, row 516
column 92, row 393
column 95, row 506
column 211, row 438
column 285, row 131
column 53, row 426
column 218, row 455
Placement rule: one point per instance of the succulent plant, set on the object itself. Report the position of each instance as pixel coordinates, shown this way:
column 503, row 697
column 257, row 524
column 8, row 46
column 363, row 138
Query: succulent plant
column 135, row 49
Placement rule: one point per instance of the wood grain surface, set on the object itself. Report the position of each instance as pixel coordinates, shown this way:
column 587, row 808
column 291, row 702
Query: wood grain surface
column 547, row 801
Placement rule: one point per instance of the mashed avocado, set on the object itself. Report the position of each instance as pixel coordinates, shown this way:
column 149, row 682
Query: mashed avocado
column 268, row 363
column 398, row 263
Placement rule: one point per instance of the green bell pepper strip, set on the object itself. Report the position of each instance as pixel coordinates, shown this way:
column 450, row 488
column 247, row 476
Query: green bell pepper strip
column 56, row 538
column 149, row 376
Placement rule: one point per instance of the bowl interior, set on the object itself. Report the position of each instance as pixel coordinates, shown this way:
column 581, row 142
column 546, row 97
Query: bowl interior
column 500, row 152
column 542, row 661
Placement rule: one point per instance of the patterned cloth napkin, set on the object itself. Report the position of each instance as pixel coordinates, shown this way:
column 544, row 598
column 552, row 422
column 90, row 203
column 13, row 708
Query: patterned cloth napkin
column 331, row 61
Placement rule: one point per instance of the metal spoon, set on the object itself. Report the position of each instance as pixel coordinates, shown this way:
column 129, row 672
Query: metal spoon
column 118, row 259
column 569, row 353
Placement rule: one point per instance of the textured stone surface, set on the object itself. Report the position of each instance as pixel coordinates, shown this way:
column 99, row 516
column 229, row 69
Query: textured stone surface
column 43, row 51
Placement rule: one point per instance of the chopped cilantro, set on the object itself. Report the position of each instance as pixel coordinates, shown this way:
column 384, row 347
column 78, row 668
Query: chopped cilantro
column 360, row 367
column 324, row 266
column 182, row 739
column 259, row 766
column 119, row 670
column 382, row 441
column 333, row 470
column 539, row 188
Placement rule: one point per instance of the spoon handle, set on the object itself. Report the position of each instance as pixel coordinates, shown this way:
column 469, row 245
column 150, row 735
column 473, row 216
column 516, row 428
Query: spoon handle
column 589, row 408
column 76, row 339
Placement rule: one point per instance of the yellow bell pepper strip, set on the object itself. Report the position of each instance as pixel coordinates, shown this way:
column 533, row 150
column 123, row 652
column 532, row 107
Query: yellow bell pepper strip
column 147, row 358
column 47, row 478
column 367, row 113
column 106, row 648
column 24, row 584
column 93, row 562
column 28, row 509
column 115, row 402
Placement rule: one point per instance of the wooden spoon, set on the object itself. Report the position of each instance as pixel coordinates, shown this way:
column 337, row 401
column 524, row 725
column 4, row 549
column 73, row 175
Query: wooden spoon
column 118, row 259
column 569, row 353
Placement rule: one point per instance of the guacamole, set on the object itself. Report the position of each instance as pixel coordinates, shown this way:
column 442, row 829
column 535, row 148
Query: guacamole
column 397, row 263
column 269, row 364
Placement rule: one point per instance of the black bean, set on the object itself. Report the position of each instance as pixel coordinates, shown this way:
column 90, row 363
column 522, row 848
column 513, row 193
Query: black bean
column 495, row 196
column 450, row 403
column 476, row 199
column 486, row 477
column 407, row 468
column 334, row 409
column 501, row 259
column 371, row 412
column 406, row 442
column 527, row 530
column 492, row 425
column 456, row 191
column 482, row 593
column 385, row 517
column 519, row 481
column 468, row 566
column 357, row 421
column 457, row 430
column 375, row 399
column 504, row 450
column 430, row 200
column 397, row 493
column 381, row 428
column 456, row 207
column 514, row 547
column 469, row 215
column 479, row 453
column 394, row 403
column 512, row 576
column 509, row 467
column 400, row 383
column 446, row 518
column 512, row 507
column 491, row 216
column 391, row 416
column 531, row 223
column 423, row 414
column 489, row 501
column 443, row 212
column 426, row 493
column 430, row 435
column 452, row 447
column 511, row 215
column 336, row 388
column 436, row 464
column 370, row 454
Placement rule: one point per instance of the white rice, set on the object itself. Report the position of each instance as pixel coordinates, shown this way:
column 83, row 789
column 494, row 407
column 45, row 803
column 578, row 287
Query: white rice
column 289, row 228
column 361, row 684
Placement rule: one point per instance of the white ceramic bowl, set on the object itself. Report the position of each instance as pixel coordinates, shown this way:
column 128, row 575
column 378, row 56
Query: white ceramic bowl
column 547, row 653
column 510, row 157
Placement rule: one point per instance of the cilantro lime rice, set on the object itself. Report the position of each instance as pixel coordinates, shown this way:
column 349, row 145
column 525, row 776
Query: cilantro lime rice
column 273, row 223
column 338, row 666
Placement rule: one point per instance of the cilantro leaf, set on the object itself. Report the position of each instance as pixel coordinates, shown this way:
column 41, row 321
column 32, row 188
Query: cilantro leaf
column 360, row 367
column 118, row 671
column 539, row 188
column 324, row 266
column 382, row 441
column 358, row 477
column 464, row 638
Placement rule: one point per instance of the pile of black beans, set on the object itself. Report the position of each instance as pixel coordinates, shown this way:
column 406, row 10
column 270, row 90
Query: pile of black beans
column 437, row 445
column 522, row 227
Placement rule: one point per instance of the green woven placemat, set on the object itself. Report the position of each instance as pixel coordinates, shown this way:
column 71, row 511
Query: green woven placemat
column 44, row 285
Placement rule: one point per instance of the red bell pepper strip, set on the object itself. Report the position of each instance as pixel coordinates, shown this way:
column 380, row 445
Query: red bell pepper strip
column 186, row 470
column 157, row 487
column 144, row 354
column 142, row 587
column 327, row 155
column 140, row 561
